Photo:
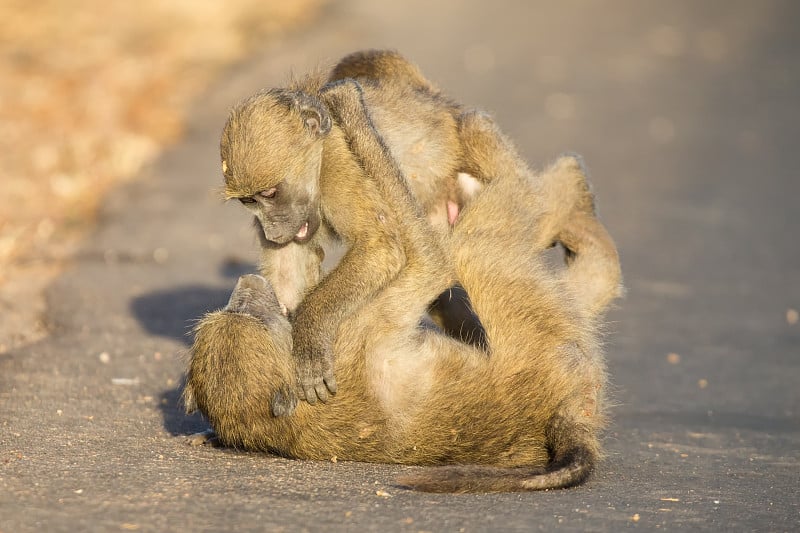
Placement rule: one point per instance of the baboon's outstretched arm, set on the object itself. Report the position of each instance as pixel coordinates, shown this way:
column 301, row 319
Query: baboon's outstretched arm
column 371, row 208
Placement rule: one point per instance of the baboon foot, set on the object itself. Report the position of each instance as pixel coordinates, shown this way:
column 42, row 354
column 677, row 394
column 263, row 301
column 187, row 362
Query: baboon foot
column 593, row 268
column 579, row 219
column 584, row 202
column 204, row 438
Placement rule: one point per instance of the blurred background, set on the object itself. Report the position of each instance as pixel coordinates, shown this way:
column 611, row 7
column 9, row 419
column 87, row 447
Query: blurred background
column 686, row 112
column 90, row 93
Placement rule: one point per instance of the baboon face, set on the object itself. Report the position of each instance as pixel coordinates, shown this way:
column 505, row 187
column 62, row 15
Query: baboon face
column 271, row 152
column 286, row 211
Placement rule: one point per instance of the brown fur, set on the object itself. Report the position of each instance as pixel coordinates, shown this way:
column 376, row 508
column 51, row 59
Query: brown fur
column 284, row 156
column 385, row 67
column 289, row 163
column 535, row 405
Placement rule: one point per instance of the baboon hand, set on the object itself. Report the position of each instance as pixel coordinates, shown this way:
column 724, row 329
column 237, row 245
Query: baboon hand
column 314, row 363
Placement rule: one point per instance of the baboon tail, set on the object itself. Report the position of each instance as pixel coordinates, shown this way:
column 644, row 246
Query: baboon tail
column 574, row 455
column 572, row 470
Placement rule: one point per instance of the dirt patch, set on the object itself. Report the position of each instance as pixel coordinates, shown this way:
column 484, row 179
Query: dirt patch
column 92, row 91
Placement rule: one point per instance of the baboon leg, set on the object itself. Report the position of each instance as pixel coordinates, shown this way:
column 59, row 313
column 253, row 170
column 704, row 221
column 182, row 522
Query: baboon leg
column 567, row 216
column 225, row 345
column 594, row 274
column 515, row 201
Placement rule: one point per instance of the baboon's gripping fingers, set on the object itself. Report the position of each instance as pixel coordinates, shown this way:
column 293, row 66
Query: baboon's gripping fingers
column 315, row 373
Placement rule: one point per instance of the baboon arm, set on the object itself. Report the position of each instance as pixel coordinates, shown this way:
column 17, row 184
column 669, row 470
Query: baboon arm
column 366, row 267
column 346, row 103
column 369, row 206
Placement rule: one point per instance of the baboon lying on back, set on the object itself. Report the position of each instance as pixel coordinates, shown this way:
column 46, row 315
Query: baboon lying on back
column 525, row 417
column 287, row 161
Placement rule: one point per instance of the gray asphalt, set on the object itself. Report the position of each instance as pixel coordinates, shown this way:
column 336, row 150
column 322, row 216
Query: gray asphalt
column 688, row 116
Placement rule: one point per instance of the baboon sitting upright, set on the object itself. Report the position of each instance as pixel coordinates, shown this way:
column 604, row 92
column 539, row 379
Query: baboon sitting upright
column 288, row 162
column 525, row 417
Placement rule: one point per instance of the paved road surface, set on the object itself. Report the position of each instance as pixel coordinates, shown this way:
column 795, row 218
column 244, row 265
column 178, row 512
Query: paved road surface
column 687, row 114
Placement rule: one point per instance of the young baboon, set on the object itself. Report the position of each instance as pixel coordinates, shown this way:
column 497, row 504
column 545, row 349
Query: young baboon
column 534, row 407
column 286, row 160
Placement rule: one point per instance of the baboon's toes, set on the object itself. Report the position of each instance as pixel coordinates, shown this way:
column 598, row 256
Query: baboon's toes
column 204, row 438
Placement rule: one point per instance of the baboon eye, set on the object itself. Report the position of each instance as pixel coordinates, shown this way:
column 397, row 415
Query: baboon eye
column 247, row 200
column 269, row 193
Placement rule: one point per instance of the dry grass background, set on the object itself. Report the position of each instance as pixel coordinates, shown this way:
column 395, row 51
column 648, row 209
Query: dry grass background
column 91, row 92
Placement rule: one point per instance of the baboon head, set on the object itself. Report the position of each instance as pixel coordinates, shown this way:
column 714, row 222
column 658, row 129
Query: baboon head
column 254, row 296
column 259, row 372
column 271, row 150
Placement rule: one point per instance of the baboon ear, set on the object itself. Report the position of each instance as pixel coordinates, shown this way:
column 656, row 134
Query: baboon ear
column 316, row 119
column 313, row 112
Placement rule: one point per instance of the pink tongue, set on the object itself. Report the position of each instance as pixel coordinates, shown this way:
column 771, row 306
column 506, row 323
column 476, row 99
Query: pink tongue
column 303, row 231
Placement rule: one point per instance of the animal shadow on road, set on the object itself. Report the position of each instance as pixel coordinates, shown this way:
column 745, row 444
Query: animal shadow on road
column 176, row 421
column 172, row 313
